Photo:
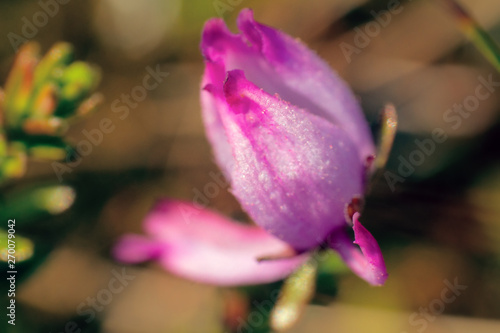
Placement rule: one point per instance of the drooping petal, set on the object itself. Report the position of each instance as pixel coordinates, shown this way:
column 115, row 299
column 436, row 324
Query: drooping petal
column 280, row 64
column 294, row 172
column 206, row 247
column 367, row 260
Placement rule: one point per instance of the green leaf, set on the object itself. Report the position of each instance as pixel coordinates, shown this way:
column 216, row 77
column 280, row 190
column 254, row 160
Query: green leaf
column 58, row 57
column 23, row 250
column 27, row 205
column 18, row 87
column 13, row 164
column 77, row 81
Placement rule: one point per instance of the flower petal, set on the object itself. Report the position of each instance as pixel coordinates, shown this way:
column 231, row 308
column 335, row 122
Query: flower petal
column 212, row 100
column 206, row 247
column 307, row 74
column 280, row 64
column 367, row 263
column 294, row 172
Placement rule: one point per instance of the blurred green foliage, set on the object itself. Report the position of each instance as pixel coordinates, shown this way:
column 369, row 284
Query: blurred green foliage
column 40, row 99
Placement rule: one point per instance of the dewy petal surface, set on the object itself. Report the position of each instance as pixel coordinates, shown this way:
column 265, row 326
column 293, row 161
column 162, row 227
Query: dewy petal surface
column 294, row 172
column 367, row 260
column 280, row 64
column 203, row 246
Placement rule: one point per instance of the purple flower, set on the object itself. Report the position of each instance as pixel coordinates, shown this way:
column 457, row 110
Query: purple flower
column 292, row 140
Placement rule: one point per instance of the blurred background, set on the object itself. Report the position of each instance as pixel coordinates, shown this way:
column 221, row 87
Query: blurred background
column 435, row 212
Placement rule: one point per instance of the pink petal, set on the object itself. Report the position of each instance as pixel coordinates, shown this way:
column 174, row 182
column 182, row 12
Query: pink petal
column 367, row 263
column 206, row 247
column 218, row 37
column 307, row 74
column 212, row 100
column 294, row 172
column 280, row 64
